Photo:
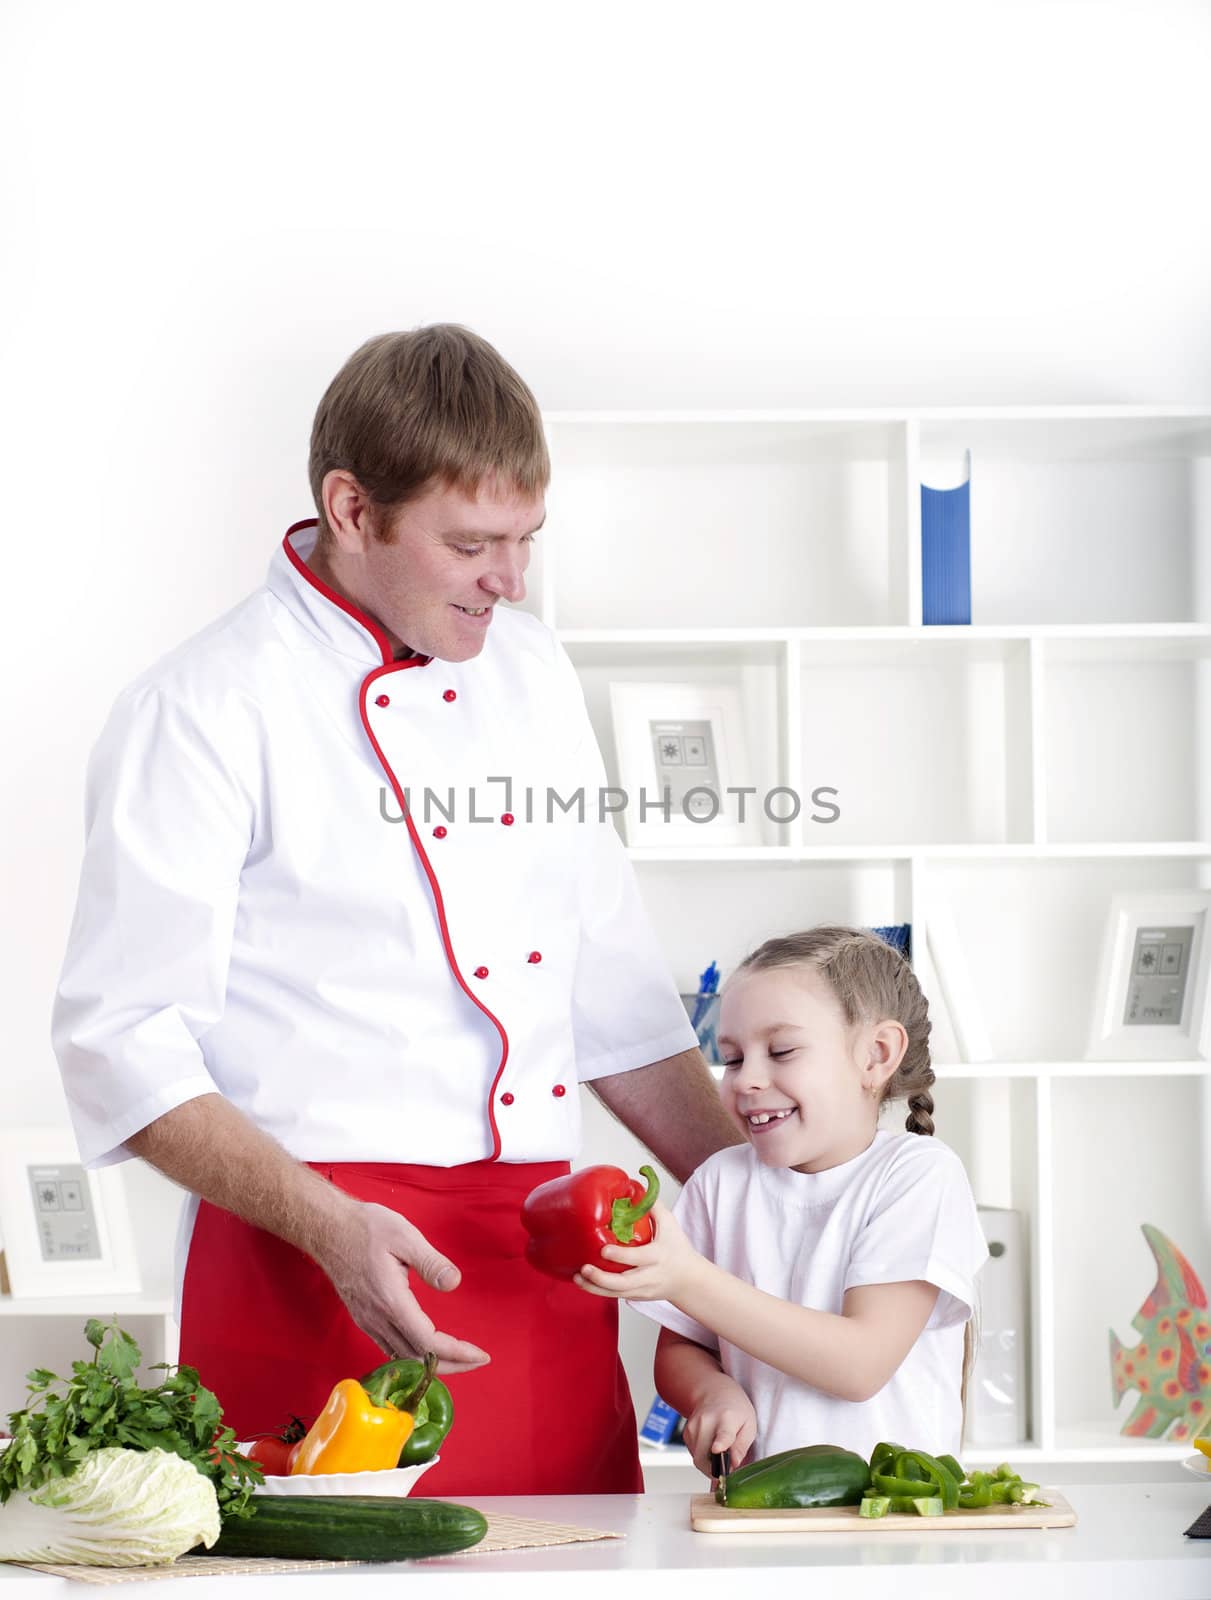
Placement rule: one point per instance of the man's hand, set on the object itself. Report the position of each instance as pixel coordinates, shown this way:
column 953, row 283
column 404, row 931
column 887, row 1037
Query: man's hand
column 659, row 1271
column 208, row 1146
column 723, row 1420
column 367, row 1261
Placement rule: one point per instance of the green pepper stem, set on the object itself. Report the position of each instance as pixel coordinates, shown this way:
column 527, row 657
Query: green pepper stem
column 413, row 1400
column 627, row 1212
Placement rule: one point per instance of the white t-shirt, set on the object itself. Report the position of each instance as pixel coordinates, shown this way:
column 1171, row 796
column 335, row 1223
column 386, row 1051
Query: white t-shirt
column 902, row 1210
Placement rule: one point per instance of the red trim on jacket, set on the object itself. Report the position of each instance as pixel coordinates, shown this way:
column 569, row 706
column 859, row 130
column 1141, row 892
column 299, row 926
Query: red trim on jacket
column 391, row 665
column 374, row 629
column 438, row 902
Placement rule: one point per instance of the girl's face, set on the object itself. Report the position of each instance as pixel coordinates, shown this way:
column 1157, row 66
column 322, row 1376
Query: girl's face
column 801, row 1084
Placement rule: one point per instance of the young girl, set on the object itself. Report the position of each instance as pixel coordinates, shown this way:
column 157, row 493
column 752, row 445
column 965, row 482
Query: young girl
column 814, row 1282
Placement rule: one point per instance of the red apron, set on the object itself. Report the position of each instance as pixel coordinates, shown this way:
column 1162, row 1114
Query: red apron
column 550, row 1414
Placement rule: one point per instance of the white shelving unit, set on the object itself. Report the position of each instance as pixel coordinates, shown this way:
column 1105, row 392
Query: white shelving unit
column 1022, row 770
column 780, row 551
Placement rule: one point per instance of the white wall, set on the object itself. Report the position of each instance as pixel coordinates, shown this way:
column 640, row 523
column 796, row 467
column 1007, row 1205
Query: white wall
column 642, row 204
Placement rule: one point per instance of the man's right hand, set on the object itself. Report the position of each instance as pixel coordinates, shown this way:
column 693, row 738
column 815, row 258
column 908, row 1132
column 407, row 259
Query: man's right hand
column 366, row 1250
column 367, row 1258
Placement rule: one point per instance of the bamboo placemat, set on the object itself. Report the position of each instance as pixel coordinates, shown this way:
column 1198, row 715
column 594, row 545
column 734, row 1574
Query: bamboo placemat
column 504, row 1533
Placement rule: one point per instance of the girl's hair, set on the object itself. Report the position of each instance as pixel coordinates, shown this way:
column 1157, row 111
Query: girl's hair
column 435, row 405
column 872, row 983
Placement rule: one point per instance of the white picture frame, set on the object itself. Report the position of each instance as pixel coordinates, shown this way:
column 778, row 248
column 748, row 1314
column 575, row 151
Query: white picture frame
column 706, row 721
column 64, row 1230
column 1154, row 964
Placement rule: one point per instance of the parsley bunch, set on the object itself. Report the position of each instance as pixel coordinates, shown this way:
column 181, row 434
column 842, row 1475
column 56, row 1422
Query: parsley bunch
column 102, row 1405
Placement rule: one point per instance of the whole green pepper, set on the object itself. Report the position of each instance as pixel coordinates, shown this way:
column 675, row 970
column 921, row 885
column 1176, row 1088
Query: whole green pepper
column 811, row 1475
column 392, row 1384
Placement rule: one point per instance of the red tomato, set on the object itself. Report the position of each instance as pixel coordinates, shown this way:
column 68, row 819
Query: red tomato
column 273, row 1454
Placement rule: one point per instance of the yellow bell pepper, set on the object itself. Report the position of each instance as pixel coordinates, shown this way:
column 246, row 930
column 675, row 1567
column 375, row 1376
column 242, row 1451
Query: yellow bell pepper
column 1202, row 1444
column 352, row 1434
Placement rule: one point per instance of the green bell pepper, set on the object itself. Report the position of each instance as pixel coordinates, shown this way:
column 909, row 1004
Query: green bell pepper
column 392, row 1384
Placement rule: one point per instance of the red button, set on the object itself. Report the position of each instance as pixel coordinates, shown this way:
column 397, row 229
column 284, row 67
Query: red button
column 506, row 1099
column 439, row 832
column 481, row 972
column 507, row 819
column 559, row 1091
column 382, row 700
column 534, row 957
column 449, row 695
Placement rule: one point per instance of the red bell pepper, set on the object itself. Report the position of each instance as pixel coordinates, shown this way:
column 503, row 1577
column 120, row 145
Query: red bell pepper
column 570, row 1219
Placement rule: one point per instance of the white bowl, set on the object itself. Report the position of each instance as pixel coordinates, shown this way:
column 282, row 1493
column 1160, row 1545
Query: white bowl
column 1198, row 1464
column 391, row 1482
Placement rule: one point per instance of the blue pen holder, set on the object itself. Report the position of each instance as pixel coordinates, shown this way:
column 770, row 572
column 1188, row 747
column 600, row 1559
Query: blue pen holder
column 946, row 553
column 703, row 1012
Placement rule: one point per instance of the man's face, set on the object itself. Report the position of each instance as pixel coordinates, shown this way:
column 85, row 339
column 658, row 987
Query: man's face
column 450, row 558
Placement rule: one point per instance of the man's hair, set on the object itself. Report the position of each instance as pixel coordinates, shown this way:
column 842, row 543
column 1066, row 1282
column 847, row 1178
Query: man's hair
column 437, row 405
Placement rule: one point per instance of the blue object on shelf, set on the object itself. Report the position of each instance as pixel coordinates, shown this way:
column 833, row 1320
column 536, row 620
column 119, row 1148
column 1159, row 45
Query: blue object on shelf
column 946, row 553
column 703, row 1012
column 899, row 936
column 660, row 1424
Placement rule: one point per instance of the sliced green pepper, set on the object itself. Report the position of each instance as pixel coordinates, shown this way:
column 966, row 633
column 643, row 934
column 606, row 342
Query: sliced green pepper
column 975, row 1499
column 394, row 1383
column 928, row 1505
column 884, row 1453
column 911, row 1480
column 916, row 1464
column 874, row 1505
column 953, row 1467
column 906, row 1488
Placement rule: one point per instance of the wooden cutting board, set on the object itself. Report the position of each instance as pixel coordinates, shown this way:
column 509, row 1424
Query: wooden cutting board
column 707, row 1516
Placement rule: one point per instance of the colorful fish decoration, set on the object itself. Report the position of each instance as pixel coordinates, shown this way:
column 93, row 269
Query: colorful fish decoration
column 1170, row 1367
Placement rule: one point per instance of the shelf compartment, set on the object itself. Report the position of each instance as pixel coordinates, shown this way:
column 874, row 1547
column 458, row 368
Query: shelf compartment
column 646, row 520
column 1149, row 1139
column 1032, row 940
column 1109, row 510
column 753, row 668
column 989, row 1122
column 1124, row 724
column 926, row 741
column 698, row 919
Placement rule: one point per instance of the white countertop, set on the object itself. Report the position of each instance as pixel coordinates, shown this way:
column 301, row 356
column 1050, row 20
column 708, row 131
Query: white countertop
column 1127, row 1545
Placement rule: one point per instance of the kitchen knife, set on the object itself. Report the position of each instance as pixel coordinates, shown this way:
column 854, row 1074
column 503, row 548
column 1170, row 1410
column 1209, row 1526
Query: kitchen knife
column 721, row 1465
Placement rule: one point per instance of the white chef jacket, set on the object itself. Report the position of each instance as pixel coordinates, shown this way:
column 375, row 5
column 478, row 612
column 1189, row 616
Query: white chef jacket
column 254, row 917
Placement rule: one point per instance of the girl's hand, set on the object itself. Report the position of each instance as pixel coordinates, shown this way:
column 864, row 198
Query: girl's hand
column 658, row 1271
column 725, row 1420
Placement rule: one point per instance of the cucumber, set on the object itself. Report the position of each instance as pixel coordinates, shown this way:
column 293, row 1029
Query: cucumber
column 334, row 1527
column 813, row 1475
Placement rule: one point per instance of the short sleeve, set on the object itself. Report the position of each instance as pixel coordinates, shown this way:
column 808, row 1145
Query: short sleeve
column 626, row 1011
column 923, row 1224
column 693, row 1212
column 168, row 826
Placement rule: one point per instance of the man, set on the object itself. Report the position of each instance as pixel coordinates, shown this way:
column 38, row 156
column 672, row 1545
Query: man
column 355, row 1031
